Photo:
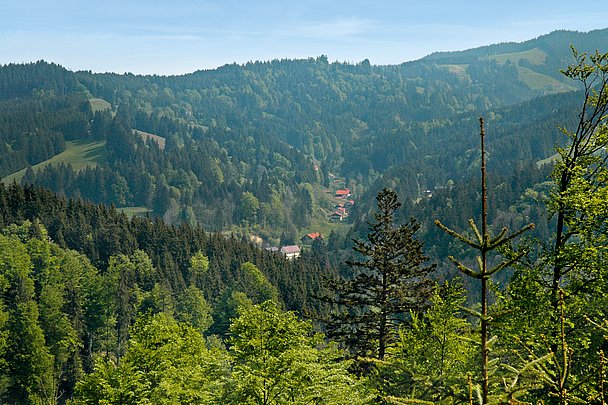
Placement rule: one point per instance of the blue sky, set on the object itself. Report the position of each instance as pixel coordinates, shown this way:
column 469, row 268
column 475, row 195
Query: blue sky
column 181, row 36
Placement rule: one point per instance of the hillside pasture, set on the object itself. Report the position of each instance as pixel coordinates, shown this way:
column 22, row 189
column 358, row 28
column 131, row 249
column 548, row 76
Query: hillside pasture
column 99, row 104
column 458, row 70
column 78, row 153
column 539, row 81
column 135, row 211
column 534, row 56
column 146, row 136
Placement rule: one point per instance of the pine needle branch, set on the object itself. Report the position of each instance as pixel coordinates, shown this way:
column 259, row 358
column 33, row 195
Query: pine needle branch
column 471, row 312
column 510, row 237
column 499, row 236
column 476, row 231
column 464, row 269
column 506, row 263
column 457, row 235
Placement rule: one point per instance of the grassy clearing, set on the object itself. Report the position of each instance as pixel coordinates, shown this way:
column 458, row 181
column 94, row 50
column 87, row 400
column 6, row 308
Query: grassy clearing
column 135, row 211
column 326, row 201
column 538, row 81
column 79, row 154
column 549, row 160
column 325, row 227
column 534, row 80
column 535, row 56
column 99, row 104
column 145, row 136
column 458, row 70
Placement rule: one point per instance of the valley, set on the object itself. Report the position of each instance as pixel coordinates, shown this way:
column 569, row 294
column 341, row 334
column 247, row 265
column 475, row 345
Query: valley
column 306, row 231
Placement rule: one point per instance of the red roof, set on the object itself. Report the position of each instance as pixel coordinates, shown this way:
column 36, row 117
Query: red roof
column 343, row 192
column 313, row 235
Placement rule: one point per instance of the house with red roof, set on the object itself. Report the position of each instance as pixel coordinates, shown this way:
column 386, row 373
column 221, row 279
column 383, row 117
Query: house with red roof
column 311, row 237
column 343, row 193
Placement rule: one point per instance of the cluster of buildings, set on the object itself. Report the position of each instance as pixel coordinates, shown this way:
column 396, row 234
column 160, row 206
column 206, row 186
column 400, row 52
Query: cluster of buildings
column 293, row 251
column 341, row 211
column 289, row 251
column 342, row 208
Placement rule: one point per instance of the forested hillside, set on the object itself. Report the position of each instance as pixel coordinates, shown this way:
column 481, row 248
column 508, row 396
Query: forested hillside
column 132, row 260
column 255, row 148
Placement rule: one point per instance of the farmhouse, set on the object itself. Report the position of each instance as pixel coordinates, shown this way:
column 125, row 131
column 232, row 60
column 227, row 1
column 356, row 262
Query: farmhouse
column 343, row 193
column 337, row 216
column 311, row 237
column 291, row 252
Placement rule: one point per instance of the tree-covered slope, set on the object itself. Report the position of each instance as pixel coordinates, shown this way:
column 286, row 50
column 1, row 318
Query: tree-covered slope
column 540, row 55
column 252, row 146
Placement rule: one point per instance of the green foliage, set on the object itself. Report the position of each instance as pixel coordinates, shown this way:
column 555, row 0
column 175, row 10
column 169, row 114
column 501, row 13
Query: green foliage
column 390, row 281
column 126, row 297
column 193, row 309
column 274, row 358
column 199, row 265
column 165, row 363
column 575, row 264
column 278, row 360
column 244, row 146
column 227, row 310
column 578, row 199
column 243, row 131
column 255, row 285
column 27, row 377
column 434, row 354
column 249, row 207
column 484, row 243
column 100, row 233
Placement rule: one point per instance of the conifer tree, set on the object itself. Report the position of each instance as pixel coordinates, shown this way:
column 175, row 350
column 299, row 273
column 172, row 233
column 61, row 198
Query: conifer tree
column 432, row 357
column 484, row 243
column 29, row 363
column 390, row 280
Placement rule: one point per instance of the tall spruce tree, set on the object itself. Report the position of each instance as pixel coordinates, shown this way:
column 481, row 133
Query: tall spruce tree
column 484, row 243
column 390, row 280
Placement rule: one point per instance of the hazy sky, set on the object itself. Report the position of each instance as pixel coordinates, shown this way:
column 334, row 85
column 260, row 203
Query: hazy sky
column 181, row 36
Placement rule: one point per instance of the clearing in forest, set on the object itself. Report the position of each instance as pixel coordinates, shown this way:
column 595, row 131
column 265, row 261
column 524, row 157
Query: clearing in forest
column 78, row 153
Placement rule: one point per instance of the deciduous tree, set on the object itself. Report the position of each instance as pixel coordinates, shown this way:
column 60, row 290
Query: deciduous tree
column 165, row 363
column 277, row 359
